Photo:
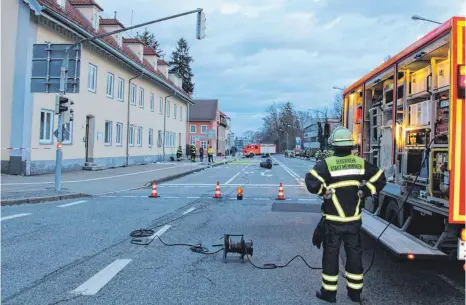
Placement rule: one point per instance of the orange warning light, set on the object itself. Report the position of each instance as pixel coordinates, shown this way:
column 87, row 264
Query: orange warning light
column 239, row 190
column 463, row 234
column 410, row 256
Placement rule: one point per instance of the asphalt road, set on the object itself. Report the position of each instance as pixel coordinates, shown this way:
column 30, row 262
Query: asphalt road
column 79, row 251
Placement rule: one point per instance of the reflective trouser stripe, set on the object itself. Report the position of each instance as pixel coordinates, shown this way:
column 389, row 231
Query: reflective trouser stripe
column 342, row 219
column 329, row 287
column 337, row 205
column 371, row 187
column 376, row 176
column 344, row 183
column 356, row 277
column 330, row 278
column 354, row 286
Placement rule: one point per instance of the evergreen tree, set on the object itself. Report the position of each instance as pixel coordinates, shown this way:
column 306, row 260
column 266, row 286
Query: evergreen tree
column 181, row 63
column 148, row 39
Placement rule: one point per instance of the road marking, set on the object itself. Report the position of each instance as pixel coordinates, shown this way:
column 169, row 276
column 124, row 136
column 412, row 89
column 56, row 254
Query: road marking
column 193, row 197
column 109, row 196
column 14, row 216
column 188, row 211
column 71, row 203
column 168, row 197
column 99, row 280
column 451, row 283
column 232, row 198
column 261, row 198
column 160, row 232
column 310, row 199
column 232, row 178
column 190, row 186
column 129, row 196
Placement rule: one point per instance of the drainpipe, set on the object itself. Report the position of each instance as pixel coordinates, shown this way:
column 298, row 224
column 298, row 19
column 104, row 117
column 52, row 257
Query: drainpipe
column 165, row 121
column 127, row 118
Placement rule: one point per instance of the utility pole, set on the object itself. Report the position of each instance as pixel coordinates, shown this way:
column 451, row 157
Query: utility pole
column 200, row 34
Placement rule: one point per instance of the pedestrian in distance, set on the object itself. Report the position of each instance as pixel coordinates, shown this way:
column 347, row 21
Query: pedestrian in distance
column 344, row 180
column 201, row 153
column 179, row 153
column 210, row 154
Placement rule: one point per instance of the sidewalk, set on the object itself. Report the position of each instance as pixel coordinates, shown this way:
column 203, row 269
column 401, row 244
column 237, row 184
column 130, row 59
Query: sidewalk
column 34, row 189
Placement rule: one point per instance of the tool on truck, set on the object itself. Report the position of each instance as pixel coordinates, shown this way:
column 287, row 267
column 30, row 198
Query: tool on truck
column 409, row 108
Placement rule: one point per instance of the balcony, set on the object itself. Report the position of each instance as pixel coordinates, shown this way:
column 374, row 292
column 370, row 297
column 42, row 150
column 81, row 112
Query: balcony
column 223, row 122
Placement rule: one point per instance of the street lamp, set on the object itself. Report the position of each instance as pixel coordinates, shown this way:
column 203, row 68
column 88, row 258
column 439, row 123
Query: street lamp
column 416, row 17
column 338, row 88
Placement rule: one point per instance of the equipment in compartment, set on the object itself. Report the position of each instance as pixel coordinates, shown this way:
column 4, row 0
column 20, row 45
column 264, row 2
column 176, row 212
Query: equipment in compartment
column 443, row 74
column 420, row 113
column 440, row 174
column 442, row 120
column 421, row 80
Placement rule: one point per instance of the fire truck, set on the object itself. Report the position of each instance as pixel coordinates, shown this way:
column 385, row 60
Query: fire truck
column 408, row 117
column 251, row 150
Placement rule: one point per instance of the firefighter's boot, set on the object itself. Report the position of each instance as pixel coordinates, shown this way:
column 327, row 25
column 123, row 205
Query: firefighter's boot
column 355, row 296
column 326, row 296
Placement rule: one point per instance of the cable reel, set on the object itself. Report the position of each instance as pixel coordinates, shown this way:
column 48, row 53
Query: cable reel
column 242, row 247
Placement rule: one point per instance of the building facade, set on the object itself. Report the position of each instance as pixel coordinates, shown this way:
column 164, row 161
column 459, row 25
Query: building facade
column 129, row 109
column 311, row 132
column 204, row 117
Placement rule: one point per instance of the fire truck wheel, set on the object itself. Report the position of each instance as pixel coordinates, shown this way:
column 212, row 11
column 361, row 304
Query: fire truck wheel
column 390, row 213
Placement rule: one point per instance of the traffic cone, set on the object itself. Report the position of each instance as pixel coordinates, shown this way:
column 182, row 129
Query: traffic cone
column 154, row 191
column 281, row 195
column 217, row 191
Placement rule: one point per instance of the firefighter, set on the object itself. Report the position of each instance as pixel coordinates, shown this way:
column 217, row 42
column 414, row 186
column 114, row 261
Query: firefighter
column 344, row 181
column 210, row 154
column 201, row 153
column 179, row 153
column 193, row 153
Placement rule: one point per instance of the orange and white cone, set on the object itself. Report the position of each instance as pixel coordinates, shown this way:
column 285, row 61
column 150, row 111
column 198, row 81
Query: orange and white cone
column 154, row 191
column 217, row 191
column 281, row 195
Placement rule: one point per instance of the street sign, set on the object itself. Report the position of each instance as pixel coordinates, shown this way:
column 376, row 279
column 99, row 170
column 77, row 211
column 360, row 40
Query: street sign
column 298, row 143
column 65, row 134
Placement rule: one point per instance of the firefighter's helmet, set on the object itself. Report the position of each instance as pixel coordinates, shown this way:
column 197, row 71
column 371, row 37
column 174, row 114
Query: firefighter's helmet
column 341, row 136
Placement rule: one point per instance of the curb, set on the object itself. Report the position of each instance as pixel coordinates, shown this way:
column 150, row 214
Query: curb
column 43, row 199
column 173, row 177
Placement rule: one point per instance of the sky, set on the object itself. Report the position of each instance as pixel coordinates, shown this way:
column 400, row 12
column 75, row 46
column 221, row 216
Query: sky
column 258, row 52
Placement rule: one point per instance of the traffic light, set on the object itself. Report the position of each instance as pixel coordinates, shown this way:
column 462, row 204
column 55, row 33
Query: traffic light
column 200, row 29
column 326, row 130
column 61, row 103
column 68, row 115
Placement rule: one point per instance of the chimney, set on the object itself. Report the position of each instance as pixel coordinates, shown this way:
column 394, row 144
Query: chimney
column 176, row 79
column 135, row 45
column 151, row 55
column 90, row 10
column 110, row 25
column 163, row 67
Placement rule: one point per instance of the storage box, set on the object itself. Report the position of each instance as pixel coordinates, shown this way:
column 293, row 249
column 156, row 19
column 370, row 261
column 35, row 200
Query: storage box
column 420, row 114
column 419, row 80
column 443, row 74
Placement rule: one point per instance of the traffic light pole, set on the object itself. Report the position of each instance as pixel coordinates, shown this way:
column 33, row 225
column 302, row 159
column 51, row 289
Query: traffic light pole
column 59, row 154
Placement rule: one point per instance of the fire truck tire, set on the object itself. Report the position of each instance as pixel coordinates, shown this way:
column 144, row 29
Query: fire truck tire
column 390, row 213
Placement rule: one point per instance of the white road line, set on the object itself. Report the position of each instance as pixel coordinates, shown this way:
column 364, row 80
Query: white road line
column 189, row 186
column 232, row 198
column 451, row 283
column 108, row 196
column 129, row 196
column 160, row 231
column 99, row 280
column 232, row 178
column 193, row 197
column 261, row 198
column 188, row 211
column 310, row 199
column 14, row 216
column 168, row 197
column 71, row 203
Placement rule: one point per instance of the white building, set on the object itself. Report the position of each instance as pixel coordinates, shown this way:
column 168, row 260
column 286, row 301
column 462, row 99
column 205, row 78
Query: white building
column 311, row 140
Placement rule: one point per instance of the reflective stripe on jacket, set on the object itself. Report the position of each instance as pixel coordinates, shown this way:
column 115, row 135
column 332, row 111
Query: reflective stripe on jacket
column 211, row 151
column 344, row 174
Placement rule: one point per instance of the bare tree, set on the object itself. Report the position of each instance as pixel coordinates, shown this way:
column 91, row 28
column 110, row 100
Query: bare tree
column 337, row 110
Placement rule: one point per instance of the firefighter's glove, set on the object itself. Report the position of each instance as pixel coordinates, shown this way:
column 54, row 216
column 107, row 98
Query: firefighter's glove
column 328, row 193
column 319, row 234
column 364, row 191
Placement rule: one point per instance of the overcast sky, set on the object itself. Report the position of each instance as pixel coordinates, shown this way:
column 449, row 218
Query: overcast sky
column 260, row 51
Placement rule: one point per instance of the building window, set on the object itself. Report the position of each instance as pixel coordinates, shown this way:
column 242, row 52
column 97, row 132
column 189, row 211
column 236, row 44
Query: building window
column 161, row 105
column 204, row 144
column 165, row 144
column 119, row 134
column 133, row 94
column 159, row 138
column 96, row 21
column 173, row 139
column 151, row 137
column 181, row 113
column 131, row 135
column 68, row 139
column 174, row 111
column 139, row 138
column 61, row 3
column 203, row 128
column 167, row 108
column 121, row 89
column 46, row 125
column 152, row 101
column 108, row 133
column 110, row 85
column 141, row 97
column 192, row 128
column 92, row 78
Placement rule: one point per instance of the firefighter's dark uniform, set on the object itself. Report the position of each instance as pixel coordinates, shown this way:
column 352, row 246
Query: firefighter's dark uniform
column 193, row 153
column 179, row 153
column 201, row 153
column 343, row 173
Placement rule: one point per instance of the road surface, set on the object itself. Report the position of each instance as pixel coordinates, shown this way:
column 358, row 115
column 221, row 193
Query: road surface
column 79, row 251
